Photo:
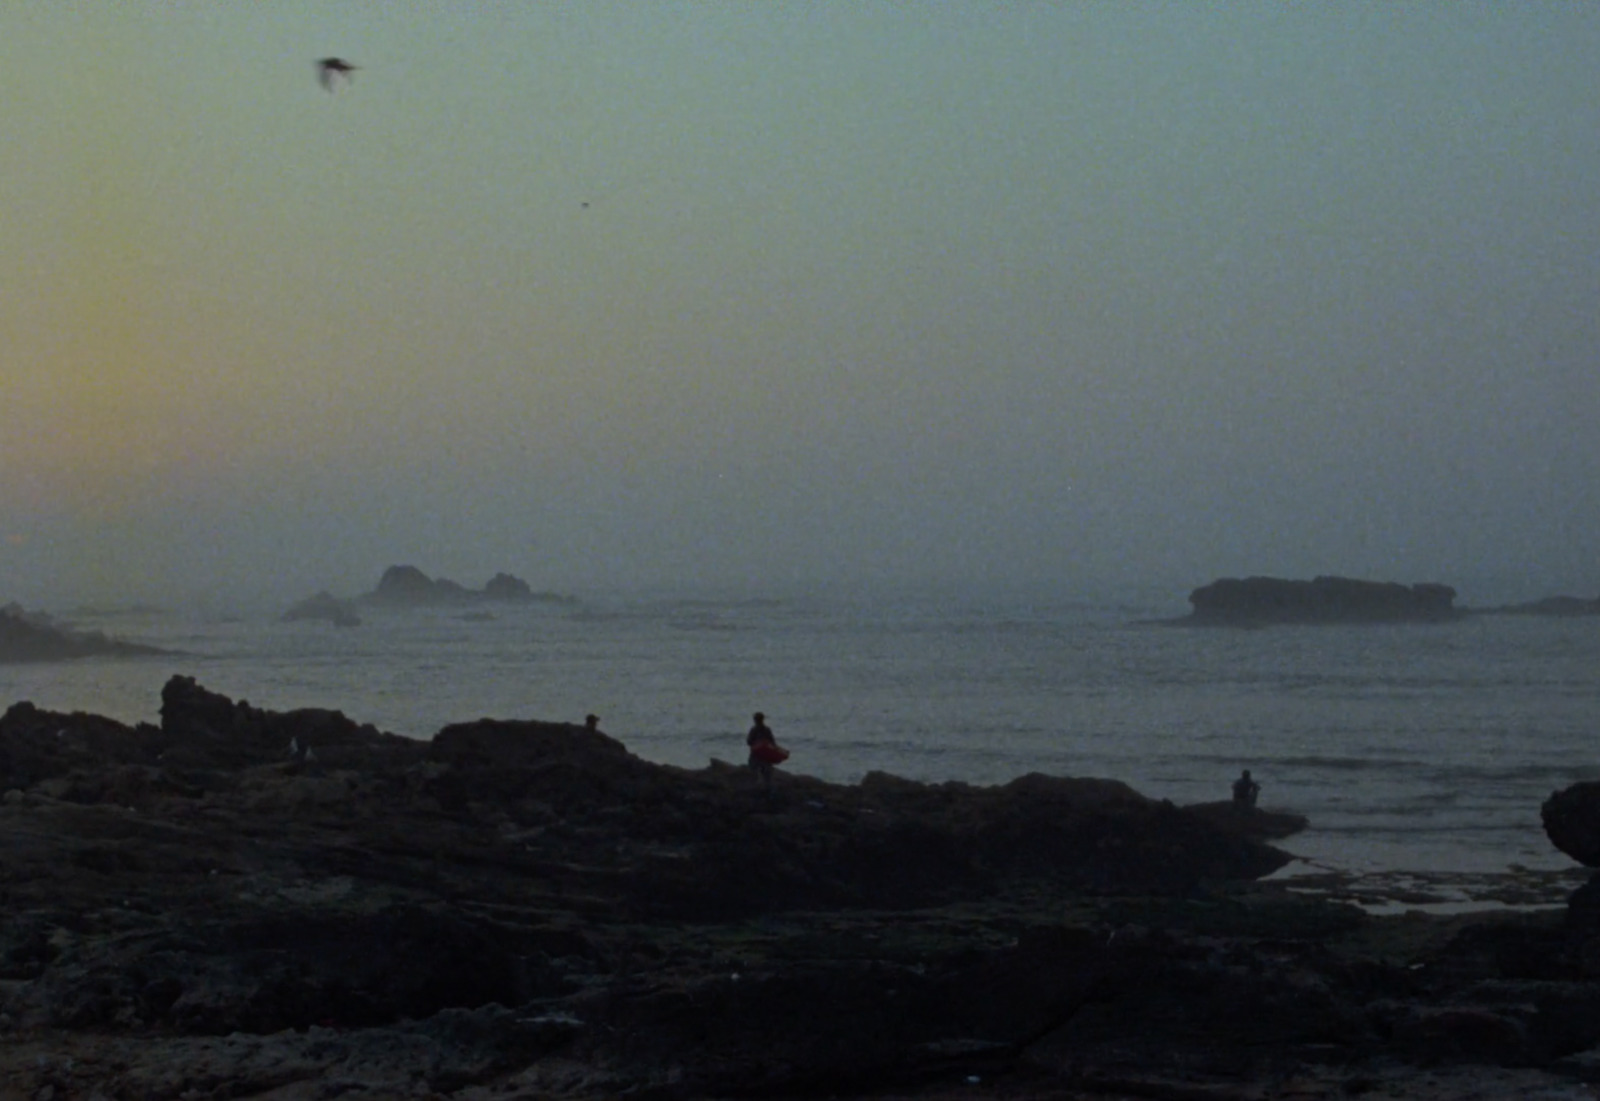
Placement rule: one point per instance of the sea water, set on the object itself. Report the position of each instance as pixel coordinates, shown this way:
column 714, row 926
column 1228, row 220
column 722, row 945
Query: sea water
column 1411, row 748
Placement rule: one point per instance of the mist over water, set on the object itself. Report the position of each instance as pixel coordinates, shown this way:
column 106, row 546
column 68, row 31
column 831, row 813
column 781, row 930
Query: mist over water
column 1415, row 747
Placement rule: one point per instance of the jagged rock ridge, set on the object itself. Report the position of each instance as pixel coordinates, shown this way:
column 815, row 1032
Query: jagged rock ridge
column 407, row 585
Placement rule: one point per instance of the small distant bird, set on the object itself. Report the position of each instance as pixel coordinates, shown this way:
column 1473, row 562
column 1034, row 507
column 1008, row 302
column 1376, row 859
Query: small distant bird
column 330, row 70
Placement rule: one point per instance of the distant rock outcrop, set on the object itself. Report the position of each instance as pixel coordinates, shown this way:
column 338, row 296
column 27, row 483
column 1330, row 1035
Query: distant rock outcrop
column 324, row 605
column 34, row 636
column 1258, row 601
column 502, row 586
column 408, row 586
column 1549, row 606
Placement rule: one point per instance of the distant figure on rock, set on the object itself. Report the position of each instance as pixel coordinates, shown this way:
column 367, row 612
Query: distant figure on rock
column 591, row 723
column 764, row 749
column 1245, row 791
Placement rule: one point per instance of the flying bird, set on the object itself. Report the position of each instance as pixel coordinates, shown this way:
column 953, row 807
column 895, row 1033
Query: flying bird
column 331, row 69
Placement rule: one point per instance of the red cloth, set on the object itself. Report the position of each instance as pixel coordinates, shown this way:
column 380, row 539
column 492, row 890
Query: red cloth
column 769, row 753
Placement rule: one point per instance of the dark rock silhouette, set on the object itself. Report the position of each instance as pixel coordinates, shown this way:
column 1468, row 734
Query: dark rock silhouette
column 1260, row 601
column 408, row 586
column 502, row 586
column 294, row 902
column 1257, row 822
column 1572, row 821
column 32, row 636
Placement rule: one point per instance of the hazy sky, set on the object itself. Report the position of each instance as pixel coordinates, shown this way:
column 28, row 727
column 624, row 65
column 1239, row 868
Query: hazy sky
column 969, row 292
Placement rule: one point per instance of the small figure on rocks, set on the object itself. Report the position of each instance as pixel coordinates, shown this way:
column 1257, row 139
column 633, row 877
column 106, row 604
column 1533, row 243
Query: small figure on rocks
column 1245, row 791
column 591, row 723
column 764, row 749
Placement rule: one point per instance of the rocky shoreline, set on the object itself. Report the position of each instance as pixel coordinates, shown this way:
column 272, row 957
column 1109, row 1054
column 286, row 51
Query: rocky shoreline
column 240, row 903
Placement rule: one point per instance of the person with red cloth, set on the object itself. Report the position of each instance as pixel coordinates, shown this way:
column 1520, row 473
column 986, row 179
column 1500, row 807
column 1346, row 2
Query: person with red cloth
column 764, row 749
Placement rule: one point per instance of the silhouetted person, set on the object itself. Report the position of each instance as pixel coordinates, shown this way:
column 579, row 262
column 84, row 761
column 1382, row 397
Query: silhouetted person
column 330, row 70
column 764, row 751
column 1245, row 791
column 591, row 723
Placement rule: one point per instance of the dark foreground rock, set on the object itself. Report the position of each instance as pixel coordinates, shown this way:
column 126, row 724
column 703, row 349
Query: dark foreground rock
column 1571, row 819
column 1261, row 601
column 1257, row 822
column 241, row 903
column 33, row 636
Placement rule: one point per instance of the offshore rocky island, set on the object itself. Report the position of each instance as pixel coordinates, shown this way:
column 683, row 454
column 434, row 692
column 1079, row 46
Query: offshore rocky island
column 1259, row 601
column 242, row 903
column 1268, row 601
column 403, row 587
